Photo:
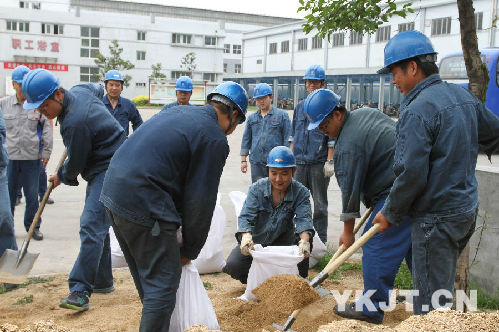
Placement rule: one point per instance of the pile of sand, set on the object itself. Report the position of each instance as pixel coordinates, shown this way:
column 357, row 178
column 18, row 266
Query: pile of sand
column 41, row 326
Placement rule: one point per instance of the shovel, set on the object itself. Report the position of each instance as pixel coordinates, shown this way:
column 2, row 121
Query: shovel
column 16, row 264
column 330, row 268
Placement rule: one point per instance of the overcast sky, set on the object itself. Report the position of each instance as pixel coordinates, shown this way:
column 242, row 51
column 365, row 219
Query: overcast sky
column 283, row 8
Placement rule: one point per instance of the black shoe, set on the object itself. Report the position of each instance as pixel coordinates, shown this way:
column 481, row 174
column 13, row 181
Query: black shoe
column 37, row 235
column 18, row 201
column 8, row 287
column 104, row 290
column 76, row 301
column 49, row 200
column 351, row 313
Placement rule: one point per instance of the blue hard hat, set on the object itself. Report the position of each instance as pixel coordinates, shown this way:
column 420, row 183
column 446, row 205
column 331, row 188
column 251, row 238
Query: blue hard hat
column 235, row 93
column 281, row 157
column 113, row 75
column 318, row 105
column 406, row 45
column 18, row 73
column 184, row 83
column 315, row 72
column 38, row 85
column 262, row 90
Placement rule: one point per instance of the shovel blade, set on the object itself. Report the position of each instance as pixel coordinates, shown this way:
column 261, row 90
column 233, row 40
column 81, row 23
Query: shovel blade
column 282, row 328
column 10, row 271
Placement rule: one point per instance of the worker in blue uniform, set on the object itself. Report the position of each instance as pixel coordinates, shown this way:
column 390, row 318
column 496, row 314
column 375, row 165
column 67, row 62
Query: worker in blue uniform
column 265, row 129
column 276, row 212
column 438, row 133
column 91, row 135
column 123, row 109
column 182, row 154
column 363, row 156
column 183, row 92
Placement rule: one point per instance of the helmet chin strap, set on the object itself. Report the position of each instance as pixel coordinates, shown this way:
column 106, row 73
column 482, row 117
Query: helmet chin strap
column 231, row 124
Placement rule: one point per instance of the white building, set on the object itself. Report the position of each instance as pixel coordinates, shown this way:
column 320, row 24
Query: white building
column 280, row 54
column 65, row 35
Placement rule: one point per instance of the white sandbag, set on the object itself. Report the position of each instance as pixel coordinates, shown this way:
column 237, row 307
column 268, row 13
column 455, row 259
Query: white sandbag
column 268, row 262
column 117, row 257
column 211, row 258
column 193, row 306
column 319, row 249
column 237, row 198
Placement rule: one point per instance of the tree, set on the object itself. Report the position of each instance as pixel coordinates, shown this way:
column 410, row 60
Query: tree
column 187, row 63
column 114, row 61
column 156, row 71
column 366, row 16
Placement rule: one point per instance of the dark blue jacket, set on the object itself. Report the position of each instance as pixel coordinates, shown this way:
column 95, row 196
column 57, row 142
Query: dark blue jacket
column 173, row 104
column 125, row 112
column 91, row 135
column 309, row 146
column 438, row 133
column 169, row 171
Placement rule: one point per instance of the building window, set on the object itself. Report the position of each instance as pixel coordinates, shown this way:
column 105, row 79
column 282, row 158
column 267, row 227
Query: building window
column 176, row 74
column 210, row 41
column 272, row 48
column 236, row 49
column 406, row 26
column 87, row 74
column 355, row 38
column 17, row 26
column 237, row 68
column 316, row 42
column 285, row 46
column 226, row 48
column 52, row 29
column 179, row 38
column 89, row 42
column 30, row 4
column 140, row 85
column 478, row 20
column 440, row 26
column 259, row 61
column 141, row 55
column 383, row 34
column 302, row 44
column 141, row 35
column 210, row 77
column 338, row 39
column 225, row 67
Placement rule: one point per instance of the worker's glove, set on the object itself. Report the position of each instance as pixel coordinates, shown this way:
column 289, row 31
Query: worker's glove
column 247, row 244
column 328, row 169
column 304, row 247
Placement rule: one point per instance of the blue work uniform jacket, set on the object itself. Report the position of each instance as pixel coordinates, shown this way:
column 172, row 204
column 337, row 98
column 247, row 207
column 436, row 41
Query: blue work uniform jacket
column 363, row 158
column 438, row 133
column 170, row 105
column 89, row 132
column 4, row 157
column 263, row 134
column 276, row 225
column 125, row 112
column 169, row 171
column 309, row 146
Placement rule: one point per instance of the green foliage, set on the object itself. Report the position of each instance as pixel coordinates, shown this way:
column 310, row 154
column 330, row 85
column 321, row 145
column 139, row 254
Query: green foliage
column 35, row 280
column 24, row 300
column 114, row 61
column 207, row 285
column 187, row 63
column 156, row 71
column 321, row 264
column 140, row 100
column 328, row 16
column 484, row 300
column 403, row 279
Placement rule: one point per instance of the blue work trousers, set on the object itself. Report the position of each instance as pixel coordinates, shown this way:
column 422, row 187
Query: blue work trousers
column 7, row 237
column 154, row 262
column 24, row 173
column 312, row 177
column 381, row 259
column 258, row 171
column 92, row 268
column 42, row 181
column 436, row 246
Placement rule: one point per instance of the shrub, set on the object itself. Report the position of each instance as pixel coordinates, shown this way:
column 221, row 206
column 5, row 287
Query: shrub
column 140, row 100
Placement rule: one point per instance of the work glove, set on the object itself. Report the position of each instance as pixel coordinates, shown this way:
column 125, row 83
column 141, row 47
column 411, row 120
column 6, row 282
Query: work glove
column 304, row 247
column 328, row 169
column 247, row 244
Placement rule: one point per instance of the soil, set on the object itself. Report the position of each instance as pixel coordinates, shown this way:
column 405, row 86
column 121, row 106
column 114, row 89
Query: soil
column 121, row 309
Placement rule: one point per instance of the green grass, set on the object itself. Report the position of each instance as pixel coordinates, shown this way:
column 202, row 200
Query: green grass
column 24, row 300
column 207, row 285
column 484, row 300
column 336, row 274
column 252, row 108
column 35, row 280
column 403, row 279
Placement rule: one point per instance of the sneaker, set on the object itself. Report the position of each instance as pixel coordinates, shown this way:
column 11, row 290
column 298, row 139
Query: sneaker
column 351, row 313
column 104, row 290
column 37, row 235
column 76, row 301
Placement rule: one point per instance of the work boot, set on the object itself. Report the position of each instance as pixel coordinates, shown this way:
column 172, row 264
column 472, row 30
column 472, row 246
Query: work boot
column 351, row 313
column 76, row 301
column 104, row 290
column 37, row 235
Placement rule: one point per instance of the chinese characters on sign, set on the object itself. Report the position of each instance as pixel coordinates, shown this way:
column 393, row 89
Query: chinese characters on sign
column 41, row 45
column 48, row 66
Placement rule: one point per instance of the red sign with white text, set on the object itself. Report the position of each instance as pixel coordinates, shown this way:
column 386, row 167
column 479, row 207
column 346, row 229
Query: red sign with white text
column 48, row 66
